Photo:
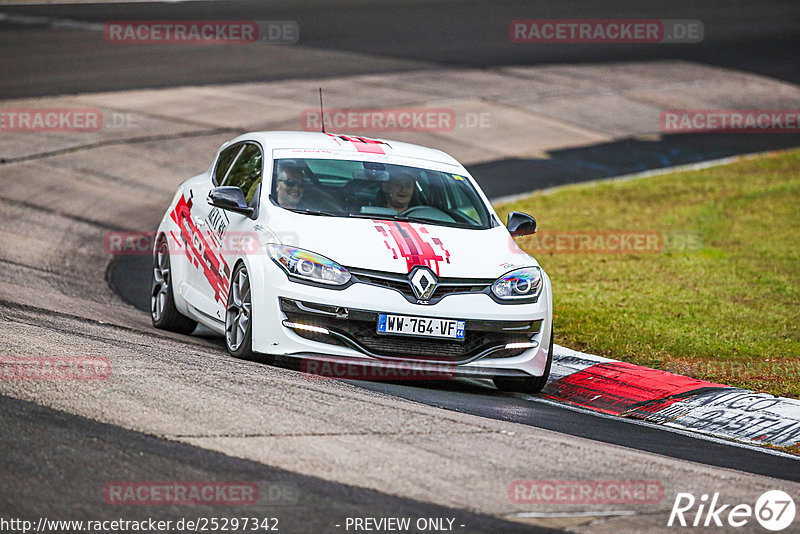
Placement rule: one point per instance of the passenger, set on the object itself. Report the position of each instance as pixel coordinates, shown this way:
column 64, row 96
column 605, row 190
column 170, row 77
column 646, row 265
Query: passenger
column 399, row 190
column 290, row 188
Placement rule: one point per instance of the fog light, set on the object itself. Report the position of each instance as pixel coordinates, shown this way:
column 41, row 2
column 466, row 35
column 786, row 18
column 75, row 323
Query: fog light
column 527, row 345
column 308, row 327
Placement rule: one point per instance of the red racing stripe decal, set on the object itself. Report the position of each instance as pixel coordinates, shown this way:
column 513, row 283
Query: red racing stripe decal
column 199, row 252
column 175, row 238
column 362, row 144
column 412, row 247
column 380, row 228
column 617, row 387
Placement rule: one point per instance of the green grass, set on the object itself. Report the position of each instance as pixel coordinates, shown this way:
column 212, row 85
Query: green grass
column 721, row 301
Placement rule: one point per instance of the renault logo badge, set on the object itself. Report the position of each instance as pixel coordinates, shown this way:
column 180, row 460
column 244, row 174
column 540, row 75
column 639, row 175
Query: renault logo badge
column 423, row 282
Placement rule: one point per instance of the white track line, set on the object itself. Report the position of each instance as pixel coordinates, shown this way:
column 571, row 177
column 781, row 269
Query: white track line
column 598, row 513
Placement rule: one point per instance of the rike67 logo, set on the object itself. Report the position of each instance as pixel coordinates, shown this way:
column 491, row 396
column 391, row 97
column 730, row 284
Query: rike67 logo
column 774, row 510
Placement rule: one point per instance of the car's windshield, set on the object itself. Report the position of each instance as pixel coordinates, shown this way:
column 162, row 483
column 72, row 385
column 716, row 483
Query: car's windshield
column 345, row 188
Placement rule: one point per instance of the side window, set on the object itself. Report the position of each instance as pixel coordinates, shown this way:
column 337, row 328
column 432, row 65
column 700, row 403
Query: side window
column 246, row 172
column 224, row 162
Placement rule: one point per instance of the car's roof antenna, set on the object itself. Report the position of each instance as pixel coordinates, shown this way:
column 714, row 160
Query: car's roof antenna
column 321, row 110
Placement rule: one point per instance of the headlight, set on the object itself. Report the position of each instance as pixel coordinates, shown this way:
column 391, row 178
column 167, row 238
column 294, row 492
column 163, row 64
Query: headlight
column 307, row 265
column 520, row 284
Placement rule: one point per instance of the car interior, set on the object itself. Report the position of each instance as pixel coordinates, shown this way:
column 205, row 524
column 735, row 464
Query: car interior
column 341, row 189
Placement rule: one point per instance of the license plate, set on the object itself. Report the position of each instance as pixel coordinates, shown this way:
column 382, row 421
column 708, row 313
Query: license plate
column 420, row 326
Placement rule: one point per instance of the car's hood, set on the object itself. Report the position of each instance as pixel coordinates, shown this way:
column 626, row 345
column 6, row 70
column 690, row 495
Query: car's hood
column 396, row 246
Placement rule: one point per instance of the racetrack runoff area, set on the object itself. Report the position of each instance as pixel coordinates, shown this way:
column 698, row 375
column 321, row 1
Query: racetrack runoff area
column 62, row 192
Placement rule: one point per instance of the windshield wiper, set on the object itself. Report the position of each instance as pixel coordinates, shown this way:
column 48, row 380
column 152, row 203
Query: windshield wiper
column 314, row 212
column 385, row 216
column 410, row 218
column 369, row 216
column 452, row 224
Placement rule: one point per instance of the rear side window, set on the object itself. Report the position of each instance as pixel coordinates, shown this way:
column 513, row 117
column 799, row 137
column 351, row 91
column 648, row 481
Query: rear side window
column 226, row 157
column 246, row 172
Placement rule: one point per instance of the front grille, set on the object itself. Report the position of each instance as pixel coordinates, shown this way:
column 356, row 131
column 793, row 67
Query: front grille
column 364, row 334
column 400, row 282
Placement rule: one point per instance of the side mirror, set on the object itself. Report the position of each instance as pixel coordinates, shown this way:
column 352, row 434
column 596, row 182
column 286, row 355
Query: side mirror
column 229, row 198
column 520, row 223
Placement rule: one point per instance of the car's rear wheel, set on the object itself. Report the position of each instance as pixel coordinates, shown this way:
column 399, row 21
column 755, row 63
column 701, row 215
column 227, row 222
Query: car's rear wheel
column 238, row 314
column 162, row 301
column 533, row 384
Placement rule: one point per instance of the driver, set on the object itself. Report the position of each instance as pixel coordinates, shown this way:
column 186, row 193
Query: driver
column 290, row 188
column 398, row 190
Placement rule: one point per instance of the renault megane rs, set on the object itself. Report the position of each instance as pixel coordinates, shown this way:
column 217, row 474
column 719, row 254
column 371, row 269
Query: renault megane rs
column 320, row 246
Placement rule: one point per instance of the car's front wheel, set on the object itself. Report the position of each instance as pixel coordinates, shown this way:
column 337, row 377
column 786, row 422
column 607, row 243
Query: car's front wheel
column 238, row 314
column 531, row 385
column 162, row 302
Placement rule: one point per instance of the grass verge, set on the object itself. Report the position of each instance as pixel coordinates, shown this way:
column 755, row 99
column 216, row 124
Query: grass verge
column 694, row 272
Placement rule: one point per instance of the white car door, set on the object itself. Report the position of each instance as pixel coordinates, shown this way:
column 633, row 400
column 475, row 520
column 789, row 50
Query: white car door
column 221, row 232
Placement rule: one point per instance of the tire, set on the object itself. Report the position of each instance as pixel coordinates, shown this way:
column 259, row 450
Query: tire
column 162, row 300
column 238, row 312
column 530, row 385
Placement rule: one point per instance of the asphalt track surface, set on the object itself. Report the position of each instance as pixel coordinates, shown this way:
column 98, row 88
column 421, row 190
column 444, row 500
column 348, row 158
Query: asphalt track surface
column 357, row 36
column 130, row 277
column 66, row 446
column 628, row 156
column 43, row 57
column 45, row 466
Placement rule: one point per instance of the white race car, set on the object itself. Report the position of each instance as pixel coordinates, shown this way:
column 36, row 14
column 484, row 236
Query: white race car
column 331, row 247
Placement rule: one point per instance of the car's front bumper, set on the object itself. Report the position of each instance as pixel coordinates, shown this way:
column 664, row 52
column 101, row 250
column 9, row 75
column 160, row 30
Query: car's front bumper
column 343, row 327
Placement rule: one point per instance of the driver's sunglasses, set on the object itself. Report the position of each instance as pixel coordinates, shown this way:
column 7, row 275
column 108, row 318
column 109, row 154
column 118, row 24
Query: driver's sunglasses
column 292, row 183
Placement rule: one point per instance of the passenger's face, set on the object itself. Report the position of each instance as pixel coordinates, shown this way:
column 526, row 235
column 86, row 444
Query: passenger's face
column 290, row 189
column 398, row 191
